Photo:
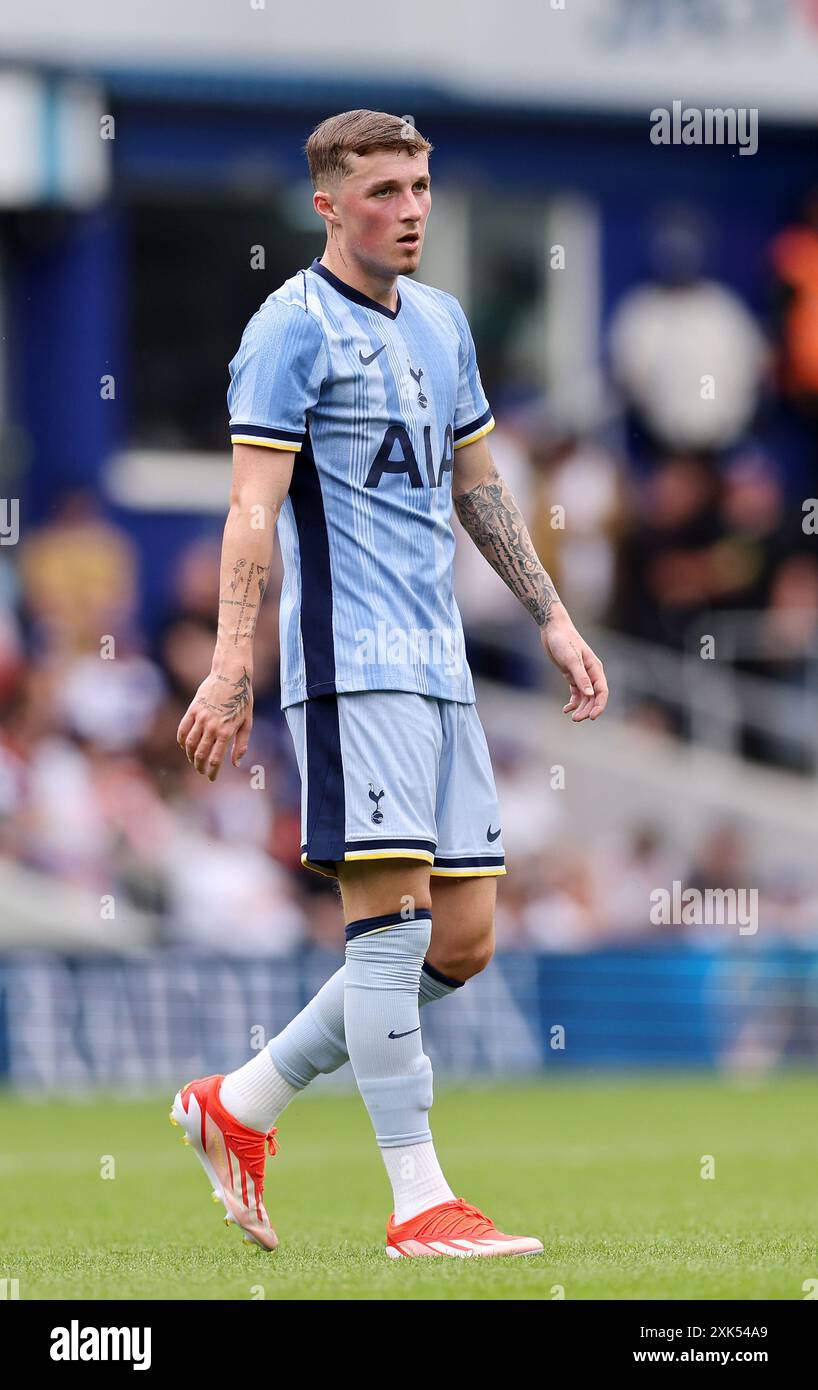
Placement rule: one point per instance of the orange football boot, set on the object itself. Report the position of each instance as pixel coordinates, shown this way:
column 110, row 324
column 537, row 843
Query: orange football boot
column 454, row 1228
column 231, row 1154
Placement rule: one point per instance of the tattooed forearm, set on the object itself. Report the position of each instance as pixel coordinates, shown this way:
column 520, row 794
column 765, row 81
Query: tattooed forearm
column 247, row 584
column 495, row 523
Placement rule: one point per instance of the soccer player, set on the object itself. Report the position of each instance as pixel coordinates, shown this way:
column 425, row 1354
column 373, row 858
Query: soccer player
column 357, row 418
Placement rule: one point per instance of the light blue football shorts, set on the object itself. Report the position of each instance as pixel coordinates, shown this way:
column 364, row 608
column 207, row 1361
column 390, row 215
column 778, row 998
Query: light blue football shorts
column 390, row 774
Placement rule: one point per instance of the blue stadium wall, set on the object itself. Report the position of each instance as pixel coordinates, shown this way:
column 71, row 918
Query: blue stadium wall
column 84, row 1023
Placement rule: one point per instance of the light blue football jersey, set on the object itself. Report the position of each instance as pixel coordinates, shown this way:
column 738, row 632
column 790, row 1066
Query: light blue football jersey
column 374, row 402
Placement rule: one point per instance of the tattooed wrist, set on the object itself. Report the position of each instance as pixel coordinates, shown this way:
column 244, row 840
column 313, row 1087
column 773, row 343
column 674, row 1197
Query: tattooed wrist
column 543, row 611
column 226, row 667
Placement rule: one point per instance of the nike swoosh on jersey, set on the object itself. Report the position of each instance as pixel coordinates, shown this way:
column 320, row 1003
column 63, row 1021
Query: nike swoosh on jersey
column 371, row 358
column 491, row 835
column 404, row 1035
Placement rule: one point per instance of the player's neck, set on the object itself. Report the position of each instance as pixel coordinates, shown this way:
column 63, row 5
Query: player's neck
column 383, row 291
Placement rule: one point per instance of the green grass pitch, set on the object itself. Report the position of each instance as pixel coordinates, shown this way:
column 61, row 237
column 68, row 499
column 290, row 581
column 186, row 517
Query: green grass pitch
column 607, row 1172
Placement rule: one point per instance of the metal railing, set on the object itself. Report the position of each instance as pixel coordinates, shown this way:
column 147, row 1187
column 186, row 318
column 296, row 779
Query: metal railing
column 716, row 704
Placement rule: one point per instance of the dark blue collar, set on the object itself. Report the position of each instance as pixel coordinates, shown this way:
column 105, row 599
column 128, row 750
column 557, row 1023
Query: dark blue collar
column 351, row 293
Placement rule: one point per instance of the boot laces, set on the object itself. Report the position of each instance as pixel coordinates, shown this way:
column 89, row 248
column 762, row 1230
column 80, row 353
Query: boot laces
column 459, row 1216
column 250, row 1152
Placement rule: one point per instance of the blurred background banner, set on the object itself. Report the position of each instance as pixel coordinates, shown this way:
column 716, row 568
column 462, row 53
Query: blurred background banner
column 598, row 54
column 646, row 319
column 69, row 1024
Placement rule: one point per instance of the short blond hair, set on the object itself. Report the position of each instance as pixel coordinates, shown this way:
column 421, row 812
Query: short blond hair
column 358, row 132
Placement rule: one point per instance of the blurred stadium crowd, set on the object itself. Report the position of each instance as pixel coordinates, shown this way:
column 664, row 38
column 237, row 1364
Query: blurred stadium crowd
column 680, row 500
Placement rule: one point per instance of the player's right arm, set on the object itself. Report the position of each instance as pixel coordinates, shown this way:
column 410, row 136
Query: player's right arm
column 275, row 380
column 222, row 708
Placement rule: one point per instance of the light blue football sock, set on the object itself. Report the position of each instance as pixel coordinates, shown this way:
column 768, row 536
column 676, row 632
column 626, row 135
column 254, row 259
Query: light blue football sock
column 384, row 959
column 314, row 1043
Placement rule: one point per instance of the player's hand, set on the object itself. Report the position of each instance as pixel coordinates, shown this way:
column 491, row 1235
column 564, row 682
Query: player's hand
column 582, row 668
column 221, row 710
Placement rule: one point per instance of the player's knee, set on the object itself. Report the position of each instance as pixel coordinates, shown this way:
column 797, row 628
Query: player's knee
column 477, row 958
column 466, row 960
column 481, row 955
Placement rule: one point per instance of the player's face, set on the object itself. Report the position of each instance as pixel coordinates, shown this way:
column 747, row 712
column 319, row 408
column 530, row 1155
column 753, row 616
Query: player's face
column 383, row 205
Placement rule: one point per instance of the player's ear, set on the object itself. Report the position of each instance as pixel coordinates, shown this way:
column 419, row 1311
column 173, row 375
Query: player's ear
column 323, row 204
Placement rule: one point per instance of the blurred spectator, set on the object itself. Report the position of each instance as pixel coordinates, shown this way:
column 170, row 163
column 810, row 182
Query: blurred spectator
column 559, row 915
column 532, row 806
column 194, row 583
column 794, row 257
column 65, row 828
column 228, row 895
column 721, row 862
column 627, row 869
column 670, row 571
column 112, row 702
column 756, row 530
column 668, row 336
column 12, row 654
column 186, row 651
column 79, row 577
column 792, row 618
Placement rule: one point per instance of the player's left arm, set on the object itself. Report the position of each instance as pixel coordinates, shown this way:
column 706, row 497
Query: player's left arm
column 487, row 510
